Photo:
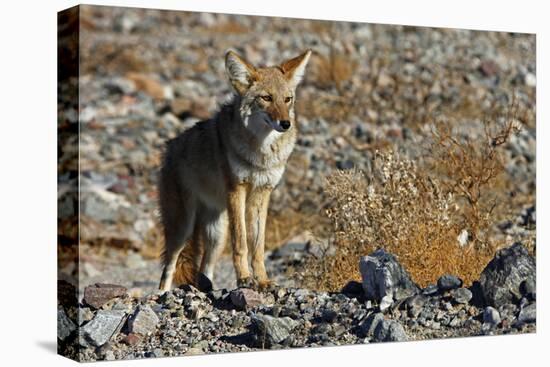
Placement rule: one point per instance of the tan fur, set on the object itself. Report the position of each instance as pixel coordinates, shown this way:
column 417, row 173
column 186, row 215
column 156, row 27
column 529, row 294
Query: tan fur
column 217, row 177
column 237, row 224
column 186, row 266
column 256, row 215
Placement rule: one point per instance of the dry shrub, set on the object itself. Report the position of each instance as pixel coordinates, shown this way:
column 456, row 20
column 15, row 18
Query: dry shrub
column 336, row 100
column 332, row 74
column 334, row 70
column 282, row 227
column 117, row 59
column 331, row 107
column 321, row 27
column 472, row 169
column 153, row 243
column 229, row 27
column 419, row 214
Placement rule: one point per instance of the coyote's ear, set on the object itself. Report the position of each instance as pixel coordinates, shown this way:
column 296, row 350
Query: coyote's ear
column 295, row 68
column 241, row 73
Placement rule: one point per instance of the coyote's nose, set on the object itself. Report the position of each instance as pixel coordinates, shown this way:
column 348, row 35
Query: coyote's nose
column 285, row 124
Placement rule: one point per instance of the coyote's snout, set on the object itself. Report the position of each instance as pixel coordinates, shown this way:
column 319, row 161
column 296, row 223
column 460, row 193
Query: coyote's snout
column 217, row 177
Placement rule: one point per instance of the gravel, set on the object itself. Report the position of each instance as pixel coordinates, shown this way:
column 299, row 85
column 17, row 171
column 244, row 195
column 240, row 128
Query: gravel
column 187, row 321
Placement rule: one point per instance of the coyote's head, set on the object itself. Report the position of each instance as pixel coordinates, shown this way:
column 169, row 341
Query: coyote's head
column 267, row 93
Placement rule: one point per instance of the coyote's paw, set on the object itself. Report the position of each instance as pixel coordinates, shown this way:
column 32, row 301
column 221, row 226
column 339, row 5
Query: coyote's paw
column 204, row 284
column 266, row 285
column 247, row 282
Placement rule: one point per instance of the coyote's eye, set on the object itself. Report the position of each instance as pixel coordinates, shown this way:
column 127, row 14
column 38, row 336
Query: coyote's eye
column 267, row 98
column 288, row 99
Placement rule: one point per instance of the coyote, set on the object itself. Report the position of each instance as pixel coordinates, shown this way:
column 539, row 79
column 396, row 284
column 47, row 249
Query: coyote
column 217, row 177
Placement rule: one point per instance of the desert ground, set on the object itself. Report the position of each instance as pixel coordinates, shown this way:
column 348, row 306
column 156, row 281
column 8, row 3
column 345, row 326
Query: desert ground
column 448, row 114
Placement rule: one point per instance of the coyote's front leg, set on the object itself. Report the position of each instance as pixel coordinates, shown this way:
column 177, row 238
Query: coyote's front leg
column 237, row 226
column 256, row 215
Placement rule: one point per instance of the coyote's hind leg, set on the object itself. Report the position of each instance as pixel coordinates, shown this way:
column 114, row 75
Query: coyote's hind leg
column 178, row 217
column 215, row 237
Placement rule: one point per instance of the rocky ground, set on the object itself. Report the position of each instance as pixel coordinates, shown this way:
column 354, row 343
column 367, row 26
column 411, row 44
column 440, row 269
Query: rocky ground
column 386, row 306
column 146, row 76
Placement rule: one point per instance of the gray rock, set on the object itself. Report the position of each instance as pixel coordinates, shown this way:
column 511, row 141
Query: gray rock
column 528, row 288
column 271, row 330
column 368, row 326
column 390, row 330
column 345, row 164
column 501, row 279
column 143, row 321
column 329, row 315
column 448, row 282
column 289, row 250
column 244, row 298
column 322, row 328
column 528, row 314
column 491, row 316
column 461, row 295
column 65, row 326
column 382, row 275
column 103, row 327
column 430, row 290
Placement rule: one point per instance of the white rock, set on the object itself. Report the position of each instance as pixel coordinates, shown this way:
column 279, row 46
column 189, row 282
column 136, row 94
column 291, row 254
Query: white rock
column 530, row 80
column 463, row 238
column 386, row 302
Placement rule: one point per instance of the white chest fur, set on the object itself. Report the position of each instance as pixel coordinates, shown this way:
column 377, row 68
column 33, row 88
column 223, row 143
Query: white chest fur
column 259, row 161
column 245, row 171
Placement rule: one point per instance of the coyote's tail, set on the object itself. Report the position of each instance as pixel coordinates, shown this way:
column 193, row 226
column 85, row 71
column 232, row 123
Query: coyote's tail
column 187, row 266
